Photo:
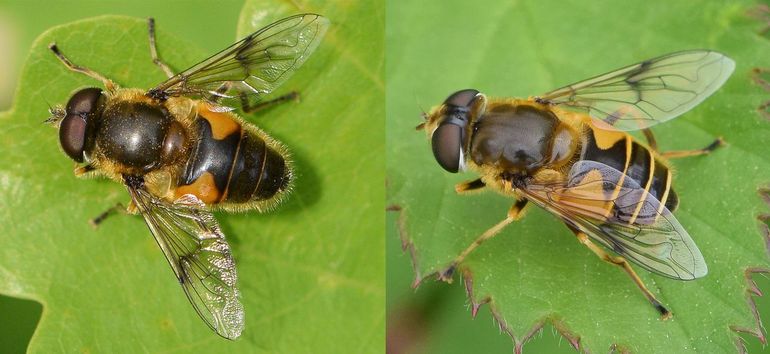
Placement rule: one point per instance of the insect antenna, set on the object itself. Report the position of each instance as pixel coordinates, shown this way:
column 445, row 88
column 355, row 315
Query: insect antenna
column 57, row 114
column 423, row 114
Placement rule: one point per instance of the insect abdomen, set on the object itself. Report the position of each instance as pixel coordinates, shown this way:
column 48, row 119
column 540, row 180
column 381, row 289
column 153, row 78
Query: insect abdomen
column 620, row 151
column 259, row 172
column 231, row 164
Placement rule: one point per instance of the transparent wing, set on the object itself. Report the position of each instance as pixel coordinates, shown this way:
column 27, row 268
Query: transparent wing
column 614, row 210
column 252, row 67
column 647, row 93
column 199, row 255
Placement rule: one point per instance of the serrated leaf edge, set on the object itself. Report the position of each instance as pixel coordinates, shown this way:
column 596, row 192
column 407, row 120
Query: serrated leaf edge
column 752, row 291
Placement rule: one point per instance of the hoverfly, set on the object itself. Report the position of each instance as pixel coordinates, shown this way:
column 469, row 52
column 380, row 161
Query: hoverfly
column 568, row 152
column 181, row 153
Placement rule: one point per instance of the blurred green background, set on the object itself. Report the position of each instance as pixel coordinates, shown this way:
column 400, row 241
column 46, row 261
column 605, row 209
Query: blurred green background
column 207, row 23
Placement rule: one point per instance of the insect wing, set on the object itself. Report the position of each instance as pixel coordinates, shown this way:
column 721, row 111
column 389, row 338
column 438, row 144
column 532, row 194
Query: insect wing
column 614, row 210
column 252, row 67
column 196, row 249
column 647, row 93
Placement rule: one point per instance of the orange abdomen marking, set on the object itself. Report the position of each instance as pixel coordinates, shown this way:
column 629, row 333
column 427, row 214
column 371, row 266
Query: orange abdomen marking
column 222, row 123
column 637, row 162
column 203, row 187
column 230, row 164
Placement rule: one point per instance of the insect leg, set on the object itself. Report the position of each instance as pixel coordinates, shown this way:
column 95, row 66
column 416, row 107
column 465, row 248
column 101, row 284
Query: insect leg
column 515, row 213
column 131, row 209
column 82, row 170
column 117, row 208
column 621, row 262
column 154, row 49
column 684, row 153
column 650, row 139
column 468, row 186
column 248, row 108
column 105, row 81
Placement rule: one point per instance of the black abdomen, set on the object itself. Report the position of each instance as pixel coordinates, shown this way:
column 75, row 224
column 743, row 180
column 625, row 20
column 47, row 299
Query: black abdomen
column 633, row 159
column 242, row 166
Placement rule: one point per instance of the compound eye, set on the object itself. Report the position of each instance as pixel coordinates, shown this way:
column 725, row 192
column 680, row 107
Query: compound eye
column 72, row 133
column 84, row 101
column 462, row 98
column 447, row 146
column 72, row 130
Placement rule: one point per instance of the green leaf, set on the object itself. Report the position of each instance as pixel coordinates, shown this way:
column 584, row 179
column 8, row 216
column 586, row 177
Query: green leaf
column 310, row 272
column 535, row 273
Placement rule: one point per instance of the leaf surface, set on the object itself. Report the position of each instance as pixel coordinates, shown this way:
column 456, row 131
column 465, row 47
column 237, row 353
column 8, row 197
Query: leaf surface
column 311, row 272
column 534, row 272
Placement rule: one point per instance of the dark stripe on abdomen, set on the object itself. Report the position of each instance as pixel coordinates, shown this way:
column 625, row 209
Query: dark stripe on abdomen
column 210, row 155
column 614, row 156
column 639, row 164
column 259, row 171
column 659, row 181
column 639, row 170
